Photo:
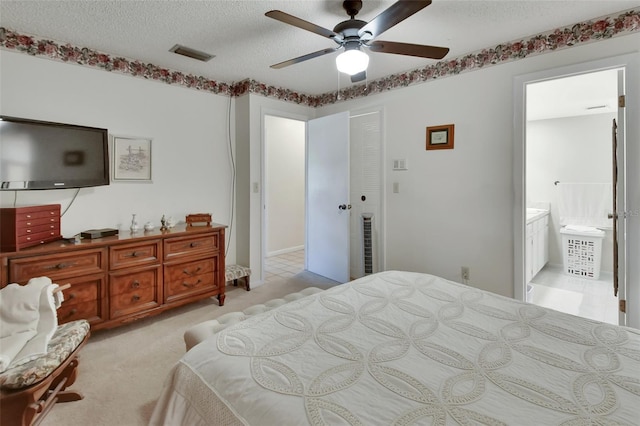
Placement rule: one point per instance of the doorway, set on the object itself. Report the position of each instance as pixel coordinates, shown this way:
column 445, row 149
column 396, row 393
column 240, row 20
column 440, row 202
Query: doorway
column 628, row 183
column 568, row 189
column 284, row 197
column 284, row 235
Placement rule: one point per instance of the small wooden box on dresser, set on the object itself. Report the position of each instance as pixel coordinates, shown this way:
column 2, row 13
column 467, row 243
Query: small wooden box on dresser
column 115, row 280
column 28, row 226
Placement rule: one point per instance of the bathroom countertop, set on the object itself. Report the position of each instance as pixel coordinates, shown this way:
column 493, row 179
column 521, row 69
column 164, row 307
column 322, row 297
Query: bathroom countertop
column 535, row 214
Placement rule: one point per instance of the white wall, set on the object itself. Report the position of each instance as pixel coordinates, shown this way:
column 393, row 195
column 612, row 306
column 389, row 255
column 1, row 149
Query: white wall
column 455, row 206
column 569, row 150
column 191, row 171
column 284, row 184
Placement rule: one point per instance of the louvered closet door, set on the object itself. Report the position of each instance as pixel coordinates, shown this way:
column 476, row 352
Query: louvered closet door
column 366, row 181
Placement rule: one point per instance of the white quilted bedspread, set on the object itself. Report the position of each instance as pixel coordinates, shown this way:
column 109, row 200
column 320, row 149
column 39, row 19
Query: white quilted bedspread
column 400, row 348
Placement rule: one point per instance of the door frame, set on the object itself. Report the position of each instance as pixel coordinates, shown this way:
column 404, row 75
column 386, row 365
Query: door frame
column 381, row 220
column 383, row 196
column 631, row 245
column 263, row 164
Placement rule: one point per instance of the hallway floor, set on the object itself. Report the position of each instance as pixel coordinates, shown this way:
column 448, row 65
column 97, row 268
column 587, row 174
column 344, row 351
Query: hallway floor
column 593, row 299
column 284, row 265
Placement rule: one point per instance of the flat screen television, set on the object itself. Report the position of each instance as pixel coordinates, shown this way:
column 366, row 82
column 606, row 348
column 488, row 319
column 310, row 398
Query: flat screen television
column 45, row 155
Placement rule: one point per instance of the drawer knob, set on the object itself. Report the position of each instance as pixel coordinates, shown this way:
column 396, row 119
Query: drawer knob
column 135, row 298
column 185, row 284
column 135, row 284
column 61, row 265
column 194, row 245
column 73, row 312
column 134, row 254
column 192, row 273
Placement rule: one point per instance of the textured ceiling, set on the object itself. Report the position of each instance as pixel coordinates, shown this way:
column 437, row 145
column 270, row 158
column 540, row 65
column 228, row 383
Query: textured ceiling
column 246, row 42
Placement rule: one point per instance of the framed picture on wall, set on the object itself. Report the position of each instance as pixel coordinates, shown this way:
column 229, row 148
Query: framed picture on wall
column 131, row 159
column 440, row 137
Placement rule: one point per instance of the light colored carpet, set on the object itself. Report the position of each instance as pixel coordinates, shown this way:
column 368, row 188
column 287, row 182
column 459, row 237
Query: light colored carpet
column 122, row 370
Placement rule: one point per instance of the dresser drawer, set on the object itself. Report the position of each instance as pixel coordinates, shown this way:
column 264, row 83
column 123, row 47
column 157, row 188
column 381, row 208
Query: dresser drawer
column 191, row 245
column 83, row 299
column 129, row 255
column 41, row 237
column 133, row 292
column 133, row 281
column 185, row 279
column 29, row 228
column 50, row 211
column 57, row 266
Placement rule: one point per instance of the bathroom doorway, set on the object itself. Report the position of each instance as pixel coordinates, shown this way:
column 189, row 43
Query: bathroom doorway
column 626, row 164
column 568, row 187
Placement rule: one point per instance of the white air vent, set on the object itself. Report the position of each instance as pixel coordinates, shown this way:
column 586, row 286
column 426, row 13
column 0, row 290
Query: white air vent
column 369, row 263
column 400, row 164
column 191, row 53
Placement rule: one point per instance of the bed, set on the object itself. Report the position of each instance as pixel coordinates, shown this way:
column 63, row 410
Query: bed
column 403, row 348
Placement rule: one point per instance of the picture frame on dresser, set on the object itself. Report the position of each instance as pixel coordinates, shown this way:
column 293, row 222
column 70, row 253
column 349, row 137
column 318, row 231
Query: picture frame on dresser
column 132, row 159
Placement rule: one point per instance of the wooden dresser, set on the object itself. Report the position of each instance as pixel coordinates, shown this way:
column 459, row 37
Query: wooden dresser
column 126, row 277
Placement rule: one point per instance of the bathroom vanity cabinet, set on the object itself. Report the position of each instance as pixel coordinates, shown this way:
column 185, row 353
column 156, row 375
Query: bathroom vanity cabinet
column 537, row 244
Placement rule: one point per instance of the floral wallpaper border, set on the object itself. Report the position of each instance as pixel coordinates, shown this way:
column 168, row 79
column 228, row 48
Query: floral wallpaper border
column 584, row 32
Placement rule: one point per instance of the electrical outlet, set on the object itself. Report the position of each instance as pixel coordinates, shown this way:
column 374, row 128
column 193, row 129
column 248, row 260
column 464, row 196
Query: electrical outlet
column 464, row 272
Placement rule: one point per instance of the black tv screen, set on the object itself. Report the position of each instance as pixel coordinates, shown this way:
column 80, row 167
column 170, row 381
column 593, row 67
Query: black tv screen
column 45, row 155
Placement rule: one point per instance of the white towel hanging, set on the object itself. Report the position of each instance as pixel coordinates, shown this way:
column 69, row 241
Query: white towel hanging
column 586, row 204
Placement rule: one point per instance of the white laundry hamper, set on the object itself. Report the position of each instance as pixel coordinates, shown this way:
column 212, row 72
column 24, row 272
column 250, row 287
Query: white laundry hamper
column 582, row 250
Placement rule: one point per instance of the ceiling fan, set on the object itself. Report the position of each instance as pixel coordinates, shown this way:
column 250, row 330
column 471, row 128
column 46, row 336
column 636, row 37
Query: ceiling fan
column 353, row 34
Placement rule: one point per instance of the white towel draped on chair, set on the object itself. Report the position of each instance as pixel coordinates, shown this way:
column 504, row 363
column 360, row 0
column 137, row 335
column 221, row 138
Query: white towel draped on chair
column 28, row 319
column 586, row 204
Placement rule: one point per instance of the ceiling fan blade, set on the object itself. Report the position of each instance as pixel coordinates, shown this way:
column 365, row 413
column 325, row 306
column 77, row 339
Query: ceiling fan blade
column 304, row 57
column 419, row 50
column 394, row 14
column 301, row 23
column 359, row 77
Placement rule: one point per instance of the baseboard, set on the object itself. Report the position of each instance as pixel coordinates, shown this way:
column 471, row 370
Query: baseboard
column 284, row 251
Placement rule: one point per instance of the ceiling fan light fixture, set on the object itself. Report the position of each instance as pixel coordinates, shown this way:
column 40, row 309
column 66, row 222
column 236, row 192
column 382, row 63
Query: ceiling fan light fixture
column 352, row 61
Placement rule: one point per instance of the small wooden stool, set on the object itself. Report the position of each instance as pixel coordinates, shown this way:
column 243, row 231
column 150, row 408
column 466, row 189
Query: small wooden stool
column 235, row 272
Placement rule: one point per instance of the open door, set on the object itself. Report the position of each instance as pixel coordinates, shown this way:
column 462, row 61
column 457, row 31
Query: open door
column 619, row 219
column 327, row 207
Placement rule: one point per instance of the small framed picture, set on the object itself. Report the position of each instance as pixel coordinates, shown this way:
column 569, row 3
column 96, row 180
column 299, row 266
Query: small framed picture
column 131, row 159
column 440, row 137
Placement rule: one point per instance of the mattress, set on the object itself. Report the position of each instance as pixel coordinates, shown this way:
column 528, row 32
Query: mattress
column 403, row 348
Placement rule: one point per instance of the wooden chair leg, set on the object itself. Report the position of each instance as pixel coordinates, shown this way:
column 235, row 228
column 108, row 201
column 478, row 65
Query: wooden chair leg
column 246, row 279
